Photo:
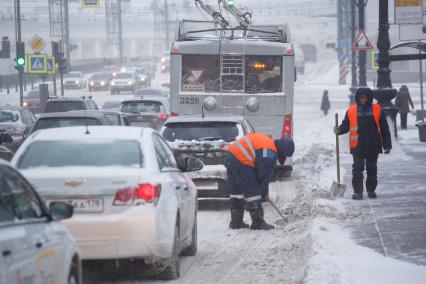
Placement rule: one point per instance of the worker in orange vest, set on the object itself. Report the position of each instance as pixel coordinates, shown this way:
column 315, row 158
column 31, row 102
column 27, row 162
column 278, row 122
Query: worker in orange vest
column 369, row 135
column 250, row 163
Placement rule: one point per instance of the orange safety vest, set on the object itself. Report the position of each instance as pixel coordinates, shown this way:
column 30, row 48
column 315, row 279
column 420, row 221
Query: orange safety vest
column 245, row 148
column 353, row 123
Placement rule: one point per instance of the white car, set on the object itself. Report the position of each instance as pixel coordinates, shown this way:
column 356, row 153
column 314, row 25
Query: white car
column 124, row 82
column 130, row 196
column 34, row 247
column 74, row 80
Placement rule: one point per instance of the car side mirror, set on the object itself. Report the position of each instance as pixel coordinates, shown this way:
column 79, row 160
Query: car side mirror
column 61, row 210
column 5, row 138
column 190, row 164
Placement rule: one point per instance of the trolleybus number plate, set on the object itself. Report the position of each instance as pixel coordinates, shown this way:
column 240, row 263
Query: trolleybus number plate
column 189, row 101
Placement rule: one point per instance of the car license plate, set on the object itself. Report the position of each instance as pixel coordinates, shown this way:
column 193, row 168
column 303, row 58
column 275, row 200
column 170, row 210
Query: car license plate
column 89, row 205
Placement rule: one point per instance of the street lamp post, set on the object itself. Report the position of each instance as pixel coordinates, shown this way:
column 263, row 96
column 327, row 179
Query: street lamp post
column 385, row 93
column 362, row 54
column 354, row 82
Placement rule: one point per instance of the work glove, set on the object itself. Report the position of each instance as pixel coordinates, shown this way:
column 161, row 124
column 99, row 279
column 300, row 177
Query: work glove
column 387, row 151
column 336, row 130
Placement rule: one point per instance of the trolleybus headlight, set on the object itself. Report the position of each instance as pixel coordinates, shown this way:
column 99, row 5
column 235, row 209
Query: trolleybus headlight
column 209, row 104
column 252, row 104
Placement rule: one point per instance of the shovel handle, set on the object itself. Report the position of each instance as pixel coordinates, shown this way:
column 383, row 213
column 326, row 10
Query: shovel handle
column 276, row 208
column 337, row 150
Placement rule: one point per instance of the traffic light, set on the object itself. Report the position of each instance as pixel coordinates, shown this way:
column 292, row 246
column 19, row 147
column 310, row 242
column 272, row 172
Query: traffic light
column 5, row 48
column 231, row 2
column 20, row 55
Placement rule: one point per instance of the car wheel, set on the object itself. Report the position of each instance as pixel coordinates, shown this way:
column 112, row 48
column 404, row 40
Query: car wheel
column 191, row 250
column 73, row 277
column 171, row 269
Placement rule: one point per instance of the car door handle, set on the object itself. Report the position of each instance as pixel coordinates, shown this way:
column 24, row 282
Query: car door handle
column 6, row 253
column 185, row 187
column 39, row 245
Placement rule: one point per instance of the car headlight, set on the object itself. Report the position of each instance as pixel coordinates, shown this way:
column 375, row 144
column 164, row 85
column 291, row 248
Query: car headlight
column 92, row 83
column 163, row 67
column 142, row 79
column 112, row 83
column 130, row 82
column 77, row 82
column 102, row 83
column 25, row 104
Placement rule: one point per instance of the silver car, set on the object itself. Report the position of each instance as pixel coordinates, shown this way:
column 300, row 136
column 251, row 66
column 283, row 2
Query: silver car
column 35, row 248
column 130, row 196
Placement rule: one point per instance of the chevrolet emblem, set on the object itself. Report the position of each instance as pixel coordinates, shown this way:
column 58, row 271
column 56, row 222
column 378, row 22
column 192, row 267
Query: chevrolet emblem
column 73, row 183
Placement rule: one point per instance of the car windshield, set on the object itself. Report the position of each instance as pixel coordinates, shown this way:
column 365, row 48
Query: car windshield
column 33, row 94
column 64, row 106
column 72, row 75
column 142, row 106
column 150, row 92
column 125, row 153
column 99, row 77
column 58, row 122
column 6, row 116
column 123, row 76
column 189, row 131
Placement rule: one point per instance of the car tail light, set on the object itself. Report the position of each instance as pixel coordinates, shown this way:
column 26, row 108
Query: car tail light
column 174, row 114
column 132, row 196
column 163, row 116
column 287, row 133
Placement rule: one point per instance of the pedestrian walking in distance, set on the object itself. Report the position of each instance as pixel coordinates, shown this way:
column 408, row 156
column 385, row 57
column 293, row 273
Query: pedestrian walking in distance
column 325, row 102
column 403, row 102
column 250, row 163
column 368, row 135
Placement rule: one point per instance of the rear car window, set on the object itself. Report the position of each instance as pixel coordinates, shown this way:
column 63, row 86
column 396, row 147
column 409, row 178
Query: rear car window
column 125, row 153
column 111, row 105
column 142, row 107
column 58, row 122
column 189, row 131
column 64, row 106
column 6, row 116
column 143, row 92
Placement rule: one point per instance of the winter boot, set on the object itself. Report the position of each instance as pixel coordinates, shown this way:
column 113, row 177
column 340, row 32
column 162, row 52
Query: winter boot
column 372, row 195
column 357, row 196
column 258, row 222
column 237, row 222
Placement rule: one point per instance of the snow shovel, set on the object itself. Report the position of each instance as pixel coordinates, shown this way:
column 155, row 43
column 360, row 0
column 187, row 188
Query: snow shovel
column 284, row 219
column 337, row 189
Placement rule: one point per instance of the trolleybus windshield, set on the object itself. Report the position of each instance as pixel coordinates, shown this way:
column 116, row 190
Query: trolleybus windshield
column 251, row 74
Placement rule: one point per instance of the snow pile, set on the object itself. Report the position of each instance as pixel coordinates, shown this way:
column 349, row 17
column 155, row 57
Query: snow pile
column 338, row 259
column 333, row 208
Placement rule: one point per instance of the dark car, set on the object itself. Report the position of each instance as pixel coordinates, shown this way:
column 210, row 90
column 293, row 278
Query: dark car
column 68, row 104
column 78, row 118
column 99, row 81
column 146, row 112
column 157, row 92
column 206, row 139
column 32, row 101
column 309, row 52
column 5, row 152
column 17, row 122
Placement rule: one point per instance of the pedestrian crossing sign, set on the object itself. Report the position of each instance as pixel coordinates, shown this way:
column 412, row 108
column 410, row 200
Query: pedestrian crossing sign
column 37, row 63
column 51, row 65
column 90, row 3
column 362, row 42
